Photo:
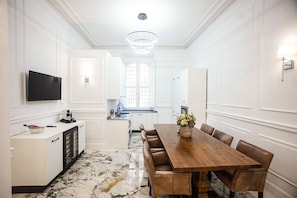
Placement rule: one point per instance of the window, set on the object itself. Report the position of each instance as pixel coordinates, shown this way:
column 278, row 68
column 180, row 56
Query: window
column 139, row 85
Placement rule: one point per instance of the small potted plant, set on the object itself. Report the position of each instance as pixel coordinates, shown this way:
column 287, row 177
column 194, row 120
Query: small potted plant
column 186, row 122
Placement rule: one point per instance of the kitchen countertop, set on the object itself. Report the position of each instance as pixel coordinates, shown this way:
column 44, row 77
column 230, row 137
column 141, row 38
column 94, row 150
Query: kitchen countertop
column 125, row 114
column 139, row 111
column 121, row 117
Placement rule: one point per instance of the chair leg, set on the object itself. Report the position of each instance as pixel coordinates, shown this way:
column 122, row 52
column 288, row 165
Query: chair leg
column 231, row 195
column 209, row 176
column 260, row 194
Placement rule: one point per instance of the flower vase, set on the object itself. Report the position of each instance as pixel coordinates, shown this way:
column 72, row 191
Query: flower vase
column 185, row 131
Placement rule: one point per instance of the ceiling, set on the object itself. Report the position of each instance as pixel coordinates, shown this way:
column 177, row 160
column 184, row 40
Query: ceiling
column 105, row 23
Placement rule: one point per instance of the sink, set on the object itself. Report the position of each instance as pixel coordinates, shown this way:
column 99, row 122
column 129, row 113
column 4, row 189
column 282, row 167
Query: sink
column 123, row 113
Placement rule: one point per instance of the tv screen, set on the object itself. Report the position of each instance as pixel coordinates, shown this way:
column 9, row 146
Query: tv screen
column 43, row 87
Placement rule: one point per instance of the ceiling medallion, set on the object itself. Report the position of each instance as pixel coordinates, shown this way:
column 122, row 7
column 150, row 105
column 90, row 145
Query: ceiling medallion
column 142, row 41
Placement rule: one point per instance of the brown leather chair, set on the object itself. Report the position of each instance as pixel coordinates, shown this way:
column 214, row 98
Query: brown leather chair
column 224, row 137
column 252, row 179
column 152, row 138
column 147, row 133
column 164, row 181
column 207, row 128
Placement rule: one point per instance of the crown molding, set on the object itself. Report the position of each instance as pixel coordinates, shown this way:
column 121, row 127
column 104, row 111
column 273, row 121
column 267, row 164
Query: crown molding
column 215, row 10
column 66, row 10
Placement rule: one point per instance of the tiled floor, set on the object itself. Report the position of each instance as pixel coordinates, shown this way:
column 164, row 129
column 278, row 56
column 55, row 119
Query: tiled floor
column 108, row 174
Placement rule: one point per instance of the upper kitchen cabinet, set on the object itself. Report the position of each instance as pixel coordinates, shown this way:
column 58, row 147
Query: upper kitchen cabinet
column 115, row 79
column 189, row 90
column 86, row 71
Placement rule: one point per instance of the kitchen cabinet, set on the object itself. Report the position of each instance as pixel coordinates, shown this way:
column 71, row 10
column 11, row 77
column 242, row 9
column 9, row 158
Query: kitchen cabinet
column 36, row 161
column 38, row 158
column 189, row 89
column 115, row 79
column 81, row 137
column 54, row 157
column 118, row 133
column 148, row 119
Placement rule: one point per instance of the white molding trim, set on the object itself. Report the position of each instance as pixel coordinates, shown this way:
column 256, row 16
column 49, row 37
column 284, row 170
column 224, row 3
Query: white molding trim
column 245, row 131
column 101, row 99
column 282, row 178
column 277, row 141
column 215, row 10
column 16, row 120
column 277, row 110
column 281, row 192
column 75, row 21
column 266, row 123
column 236, row 106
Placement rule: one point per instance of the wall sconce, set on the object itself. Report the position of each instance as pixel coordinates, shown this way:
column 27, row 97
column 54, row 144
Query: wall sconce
column 87, row 80
column 286, row 52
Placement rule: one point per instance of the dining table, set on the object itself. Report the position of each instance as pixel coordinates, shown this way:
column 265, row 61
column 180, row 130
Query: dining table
column 200, row 154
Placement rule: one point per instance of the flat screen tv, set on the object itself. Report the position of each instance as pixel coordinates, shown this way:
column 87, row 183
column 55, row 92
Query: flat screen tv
column 43, row 87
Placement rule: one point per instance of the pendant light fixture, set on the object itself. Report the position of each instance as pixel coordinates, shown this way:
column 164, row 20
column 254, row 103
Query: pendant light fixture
column 142, row 41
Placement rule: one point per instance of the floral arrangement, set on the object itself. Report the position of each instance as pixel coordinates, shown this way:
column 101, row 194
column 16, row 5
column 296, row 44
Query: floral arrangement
column 186, row 120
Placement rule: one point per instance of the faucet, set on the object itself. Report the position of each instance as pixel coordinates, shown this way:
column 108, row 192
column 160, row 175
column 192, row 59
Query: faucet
column 120, row 106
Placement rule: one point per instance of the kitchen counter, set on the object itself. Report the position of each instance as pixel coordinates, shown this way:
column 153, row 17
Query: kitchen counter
column 139, row 111
column 125, row 114
column 121, row 117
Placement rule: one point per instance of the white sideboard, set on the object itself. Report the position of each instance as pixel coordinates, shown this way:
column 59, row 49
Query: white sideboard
column 38, row 158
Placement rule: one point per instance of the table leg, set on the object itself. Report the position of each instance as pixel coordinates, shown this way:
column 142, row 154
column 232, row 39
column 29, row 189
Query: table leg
column 203, row 185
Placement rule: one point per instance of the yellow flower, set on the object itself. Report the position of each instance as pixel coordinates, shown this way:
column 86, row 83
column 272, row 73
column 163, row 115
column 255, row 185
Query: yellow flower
column 186, row 120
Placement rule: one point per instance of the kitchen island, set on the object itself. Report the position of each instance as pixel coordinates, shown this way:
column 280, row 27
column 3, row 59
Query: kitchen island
column 118, row 130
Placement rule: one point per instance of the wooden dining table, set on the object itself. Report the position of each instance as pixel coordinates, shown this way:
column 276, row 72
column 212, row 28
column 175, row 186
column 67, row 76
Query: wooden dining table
column 199, row 154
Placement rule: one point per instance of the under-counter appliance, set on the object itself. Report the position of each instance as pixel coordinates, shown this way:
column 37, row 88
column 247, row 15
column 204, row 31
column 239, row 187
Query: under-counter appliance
column 70, row 147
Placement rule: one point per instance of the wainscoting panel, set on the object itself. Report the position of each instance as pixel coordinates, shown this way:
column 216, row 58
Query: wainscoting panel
column 86, row 92
column 284, row 156
column 237, row 27
column 238, row 132
column 95, row 121
column 278, row 138
column 272, row 88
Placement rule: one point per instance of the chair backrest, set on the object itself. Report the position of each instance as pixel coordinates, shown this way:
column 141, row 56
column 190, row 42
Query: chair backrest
column 143, row 136
column 141, row 127
column 224, row 137
column 256, row 153
column 163, row 180
column 206, row 128
column 148, row 159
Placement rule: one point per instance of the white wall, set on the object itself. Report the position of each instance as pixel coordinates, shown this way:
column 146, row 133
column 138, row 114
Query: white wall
column 246, row 97
column 5, row 176
column 168, row 62
column 39, row 38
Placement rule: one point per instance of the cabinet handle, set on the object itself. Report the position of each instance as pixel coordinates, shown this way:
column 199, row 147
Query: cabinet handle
column 55, row 139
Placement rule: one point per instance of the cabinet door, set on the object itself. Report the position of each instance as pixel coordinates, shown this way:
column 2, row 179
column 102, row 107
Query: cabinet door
column 81, row 137
column 54, row 157
column 137, row 119
column 176, row 101
column 115, row 78
column 184, row 87
column 118, row 134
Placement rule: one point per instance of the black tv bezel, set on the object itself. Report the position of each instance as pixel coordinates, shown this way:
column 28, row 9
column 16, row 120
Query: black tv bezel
column 33, row 97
